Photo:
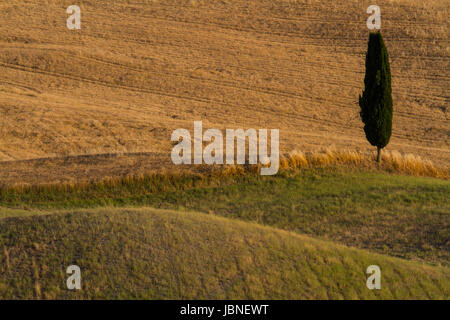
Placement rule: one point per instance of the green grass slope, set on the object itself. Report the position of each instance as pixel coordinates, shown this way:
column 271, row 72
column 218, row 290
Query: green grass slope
column 403, row 216
column 149, row 253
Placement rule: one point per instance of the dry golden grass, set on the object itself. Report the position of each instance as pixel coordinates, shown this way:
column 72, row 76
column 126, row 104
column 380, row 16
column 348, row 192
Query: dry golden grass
column 138, row 70
column 392, row 161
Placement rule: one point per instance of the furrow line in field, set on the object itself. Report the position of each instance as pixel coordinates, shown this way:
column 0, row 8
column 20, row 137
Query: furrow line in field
column 231, row 84
column 198, row 99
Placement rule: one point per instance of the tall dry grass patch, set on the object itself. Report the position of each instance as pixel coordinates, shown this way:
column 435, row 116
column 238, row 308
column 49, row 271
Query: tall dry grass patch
column 205, row 175
column 392, row 161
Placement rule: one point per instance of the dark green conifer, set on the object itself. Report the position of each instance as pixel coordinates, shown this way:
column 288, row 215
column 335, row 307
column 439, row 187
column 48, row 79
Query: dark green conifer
column 376, row 100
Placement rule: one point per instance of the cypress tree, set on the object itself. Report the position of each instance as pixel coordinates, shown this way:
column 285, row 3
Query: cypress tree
column 376, row 100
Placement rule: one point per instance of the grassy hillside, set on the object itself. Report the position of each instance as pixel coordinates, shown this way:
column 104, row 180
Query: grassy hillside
column 137, row 70
column 148, row 253
column 86, row 178
column 391, row 214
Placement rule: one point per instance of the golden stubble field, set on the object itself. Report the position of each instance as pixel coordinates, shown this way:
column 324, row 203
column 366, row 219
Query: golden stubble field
column 137, row 70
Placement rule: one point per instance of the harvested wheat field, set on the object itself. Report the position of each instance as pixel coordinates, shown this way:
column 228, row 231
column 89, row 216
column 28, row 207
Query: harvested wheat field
column 137, row 70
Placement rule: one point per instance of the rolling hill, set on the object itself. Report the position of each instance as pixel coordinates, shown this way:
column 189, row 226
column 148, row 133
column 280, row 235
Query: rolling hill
column 154, row 254
column 305, row 234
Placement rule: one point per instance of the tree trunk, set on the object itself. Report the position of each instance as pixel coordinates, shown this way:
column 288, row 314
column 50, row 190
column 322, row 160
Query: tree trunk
column 378, row 154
